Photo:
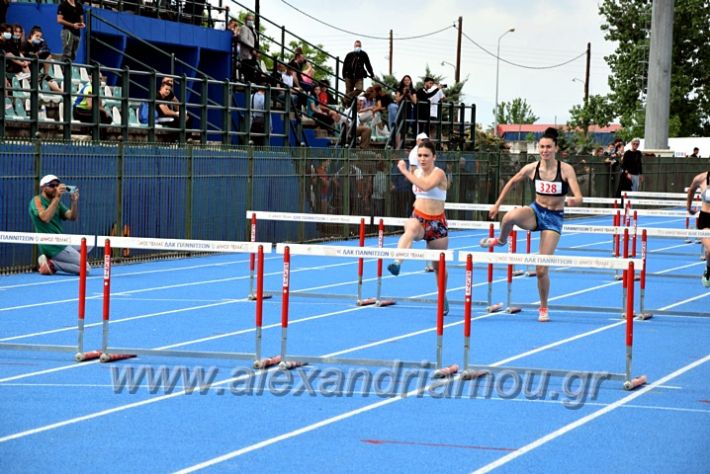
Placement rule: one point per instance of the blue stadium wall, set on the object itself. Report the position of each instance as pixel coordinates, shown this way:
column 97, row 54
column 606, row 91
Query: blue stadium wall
column 168, row 192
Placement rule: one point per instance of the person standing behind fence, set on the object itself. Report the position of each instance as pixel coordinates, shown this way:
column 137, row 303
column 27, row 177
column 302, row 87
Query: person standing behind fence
column 70, row 14
column 631, row 165
column 356, row 67
column 702, row 182
column 47, row 211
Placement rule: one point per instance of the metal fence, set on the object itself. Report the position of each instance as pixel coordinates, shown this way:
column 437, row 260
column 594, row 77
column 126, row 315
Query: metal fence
column 203, row 192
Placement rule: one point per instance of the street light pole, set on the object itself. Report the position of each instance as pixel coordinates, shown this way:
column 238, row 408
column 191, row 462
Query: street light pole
column 495, row 110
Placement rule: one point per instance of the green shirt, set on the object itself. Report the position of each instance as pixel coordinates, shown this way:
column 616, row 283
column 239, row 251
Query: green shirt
column 54, row 226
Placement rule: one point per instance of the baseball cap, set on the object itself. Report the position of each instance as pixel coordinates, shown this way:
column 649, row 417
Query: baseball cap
column 48, row 179
column 422, row 136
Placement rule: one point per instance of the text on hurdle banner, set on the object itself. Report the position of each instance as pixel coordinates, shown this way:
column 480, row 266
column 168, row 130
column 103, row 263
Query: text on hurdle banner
column 550, row 260
column 364, row 252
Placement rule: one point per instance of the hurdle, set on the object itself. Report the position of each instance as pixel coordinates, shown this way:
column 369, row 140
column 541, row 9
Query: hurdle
column 112, row 354
column 491, row 227
column 473, row 371
column 84, row 241
column 287, row 361
column 377, row 300
column 361, row 221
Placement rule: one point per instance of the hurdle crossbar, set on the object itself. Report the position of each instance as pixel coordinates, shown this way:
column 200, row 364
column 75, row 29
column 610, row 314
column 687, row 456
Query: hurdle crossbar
column 568, row 210
column 303, row 217
column 292, row 361
column 364, row 252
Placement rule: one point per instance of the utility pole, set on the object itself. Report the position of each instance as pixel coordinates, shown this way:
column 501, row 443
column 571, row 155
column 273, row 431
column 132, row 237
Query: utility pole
column 391, row 51
column 586, row 87
column 458, row 51
column 257, row 16
column 586, row 74
column 658, row 104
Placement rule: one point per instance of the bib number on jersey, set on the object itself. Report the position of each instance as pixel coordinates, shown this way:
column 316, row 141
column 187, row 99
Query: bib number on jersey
column 548, row 187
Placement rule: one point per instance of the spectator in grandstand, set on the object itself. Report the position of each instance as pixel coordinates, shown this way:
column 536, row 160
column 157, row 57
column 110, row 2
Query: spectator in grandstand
column 47, row 211
column 258, row 116
column 356, row 67
column 35, row 47
column 318, row 112
column 167, row 107
column 428, row 98
column 16, row 62
column 631, row 165
column 84, row 104
column 233, row 27
column 3, row 10
column 385, row 103
column 70, row 14
column 248, row 47
column 306, row 78
column 326, row 93
column 380, row 131
column 696, row 153
column 362, row 131
column 285, row 80
column 406, row 96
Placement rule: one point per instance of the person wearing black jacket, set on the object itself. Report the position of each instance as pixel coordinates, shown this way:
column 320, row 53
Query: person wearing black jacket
column 631, row 166
column 356, row 67
column 428, row 98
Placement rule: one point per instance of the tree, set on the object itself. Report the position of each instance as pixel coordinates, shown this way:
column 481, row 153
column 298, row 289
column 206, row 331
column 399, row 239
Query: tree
column 628, row 23
column 517, row 111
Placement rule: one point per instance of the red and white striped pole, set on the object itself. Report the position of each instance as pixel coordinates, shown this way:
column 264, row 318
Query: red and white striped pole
column 440, row 371
column 360, row 262
column 82, row 356
column 631, row 383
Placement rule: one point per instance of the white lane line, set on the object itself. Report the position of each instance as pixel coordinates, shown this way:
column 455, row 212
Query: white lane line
column 367, row 408
column 586, row 419
column 165, row 397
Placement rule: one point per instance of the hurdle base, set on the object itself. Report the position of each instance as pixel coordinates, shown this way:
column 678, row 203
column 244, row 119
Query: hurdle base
column 530, row 274
column 253, row 297
column 518, row 273
column 291, row 364
column 513, row 309
column 385, row 303
column 470, row 374
column 644, row 316
column 105, row 357
column 446, row 372
column 635, row 382
column 87, row 356
column 367, row 302
column 268, row 362
column 495, row 308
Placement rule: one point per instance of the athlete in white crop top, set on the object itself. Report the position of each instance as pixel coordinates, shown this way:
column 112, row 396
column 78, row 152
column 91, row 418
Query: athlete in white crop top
column 428, row 221
column 702, row 182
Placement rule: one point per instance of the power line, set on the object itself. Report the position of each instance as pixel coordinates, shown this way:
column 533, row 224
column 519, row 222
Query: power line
column 522, row 65
column 342, row 30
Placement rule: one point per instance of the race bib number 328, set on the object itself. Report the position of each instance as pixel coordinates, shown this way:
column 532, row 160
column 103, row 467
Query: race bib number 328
column 548, row 187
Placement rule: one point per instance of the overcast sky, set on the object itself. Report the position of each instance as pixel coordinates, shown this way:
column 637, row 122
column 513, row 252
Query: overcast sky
column 547, row 32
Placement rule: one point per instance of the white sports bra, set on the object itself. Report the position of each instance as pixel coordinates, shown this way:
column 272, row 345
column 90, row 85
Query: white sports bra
column 434, row 193
column 706, row 194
